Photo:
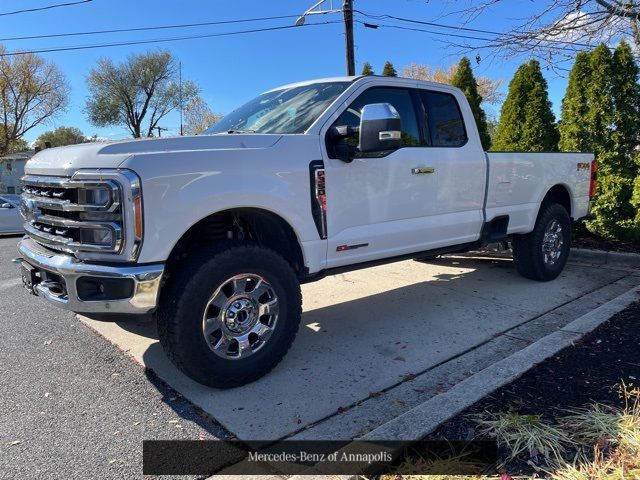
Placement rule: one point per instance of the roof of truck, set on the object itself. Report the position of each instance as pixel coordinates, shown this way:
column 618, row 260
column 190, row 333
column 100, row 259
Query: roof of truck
column 359, row 77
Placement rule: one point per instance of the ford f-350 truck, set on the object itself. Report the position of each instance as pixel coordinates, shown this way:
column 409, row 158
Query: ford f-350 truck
column 215, row 233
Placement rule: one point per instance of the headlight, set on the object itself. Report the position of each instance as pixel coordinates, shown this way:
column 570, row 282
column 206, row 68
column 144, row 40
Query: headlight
column 94, row 215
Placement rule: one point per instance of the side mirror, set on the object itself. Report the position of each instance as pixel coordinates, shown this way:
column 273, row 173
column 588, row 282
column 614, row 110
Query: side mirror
column 6, row 205
column 380, row 128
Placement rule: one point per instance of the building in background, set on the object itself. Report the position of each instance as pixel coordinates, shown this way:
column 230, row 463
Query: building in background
column 12, row 170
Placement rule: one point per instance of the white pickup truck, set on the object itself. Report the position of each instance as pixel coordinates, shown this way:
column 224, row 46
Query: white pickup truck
column 215, row 233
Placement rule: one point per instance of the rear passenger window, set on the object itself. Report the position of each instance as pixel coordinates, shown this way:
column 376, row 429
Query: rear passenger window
column 444, row 120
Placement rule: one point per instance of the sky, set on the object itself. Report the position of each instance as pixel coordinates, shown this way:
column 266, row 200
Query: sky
column 233, row 69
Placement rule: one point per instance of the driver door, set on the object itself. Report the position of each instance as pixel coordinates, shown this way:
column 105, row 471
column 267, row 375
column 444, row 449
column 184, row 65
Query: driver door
column 376, row 207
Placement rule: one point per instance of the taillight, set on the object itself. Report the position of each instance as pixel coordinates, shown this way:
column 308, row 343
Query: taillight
column 592, row 182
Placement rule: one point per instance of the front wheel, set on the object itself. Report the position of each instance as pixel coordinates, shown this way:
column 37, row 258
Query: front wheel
column 230, row 314
column 542, row 254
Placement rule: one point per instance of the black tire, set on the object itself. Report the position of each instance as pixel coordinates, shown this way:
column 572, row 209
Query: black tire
column 187, row 293
column 528, row 252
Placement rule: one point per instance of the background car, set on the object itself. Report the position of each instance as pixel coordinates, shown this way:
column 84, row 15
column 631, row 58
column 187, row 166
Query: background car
column 10, row 218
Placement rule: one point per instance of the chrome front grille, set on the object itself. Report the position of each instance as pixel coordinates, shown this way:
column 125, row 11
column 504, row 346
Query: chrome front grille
column 71, row 215
column 68, row 195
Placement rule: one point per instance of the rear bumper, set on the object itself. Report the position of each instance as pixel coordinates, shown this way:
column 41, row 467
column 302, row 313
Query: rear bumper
column 144, row 280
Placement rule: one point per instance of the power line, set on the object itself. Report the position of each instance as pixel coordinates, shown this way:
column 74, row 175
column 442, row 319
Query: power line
column 144, row 29
column 400, row 27
column 48, row 7
column 468, row 37
column 465, row 29
column 158, row 40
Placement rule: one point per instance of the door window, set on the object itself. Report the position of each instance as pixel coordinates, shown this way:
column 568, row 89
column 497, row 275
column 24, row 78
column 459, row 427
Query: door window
column 443, row 120
column 400, row 98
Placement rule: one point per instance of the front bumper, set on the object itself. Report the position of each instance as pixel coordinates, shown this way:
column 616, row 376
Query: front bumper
column 142, row 299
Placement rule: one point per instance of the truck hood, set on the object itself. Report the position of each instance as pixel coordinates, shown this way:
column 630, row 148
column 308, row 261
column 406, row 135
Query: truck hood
column 64, row 161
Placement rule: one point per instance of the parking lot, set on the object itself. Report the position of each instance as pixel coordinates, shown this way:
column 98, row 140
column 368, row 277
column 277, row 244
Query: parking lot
column 373, row 344
column 377, row 342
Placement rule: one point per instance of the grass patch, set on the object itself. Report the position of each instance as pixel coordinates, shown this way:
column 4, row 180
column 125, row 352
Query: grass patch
column 524, row 434
column 598, row 442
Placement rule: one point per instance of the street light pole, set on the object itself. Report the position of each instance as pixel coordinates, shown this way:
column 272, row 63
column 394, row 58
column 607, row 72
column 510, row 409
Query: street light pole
column 347, row 10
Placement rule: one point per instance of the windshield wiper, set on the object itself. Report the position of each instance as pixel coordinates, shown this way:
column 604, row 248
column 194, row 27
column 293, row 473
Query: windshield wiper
column 241, row 131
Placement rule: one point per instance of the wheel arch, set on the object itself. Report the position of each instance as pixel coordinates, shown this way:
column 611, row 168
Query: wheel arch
column 560, row 194
column 251, row 224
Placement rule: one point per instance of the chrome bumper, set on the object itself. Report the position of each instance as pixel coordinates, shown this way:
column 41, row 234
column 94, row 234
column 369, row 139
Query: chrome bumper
column 146, row 281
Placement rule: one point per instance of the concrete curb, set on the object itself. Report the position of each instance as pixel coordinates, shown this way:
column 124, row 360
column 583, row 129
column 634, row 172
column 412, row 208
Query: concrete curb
column 602, row 257
column 423, row 419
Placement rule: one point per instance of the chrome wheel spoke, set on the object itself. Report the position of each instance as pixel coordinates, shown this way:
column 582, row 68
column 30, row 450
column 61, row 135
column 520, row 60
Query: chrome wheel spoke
column 240, row 285
column 260, row 289
column 269, row 308
column 211, row 325
column 221, row 347
column 219, row 300
column 263, row 331
column 244, row 346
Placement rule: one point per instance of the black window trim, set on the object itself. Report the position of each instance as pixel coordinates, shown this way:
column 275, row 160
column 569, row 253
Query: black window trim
column 427, row 144
column 416, row 101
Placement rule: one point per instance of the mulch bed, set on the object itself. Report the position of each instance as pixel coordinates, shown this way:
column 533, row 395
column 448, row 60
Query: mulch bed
column 582, row 238
column 588, row 372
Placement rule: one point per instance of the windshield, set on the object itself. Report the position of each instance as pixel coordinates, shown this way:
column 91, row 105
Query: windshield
column 288, row 110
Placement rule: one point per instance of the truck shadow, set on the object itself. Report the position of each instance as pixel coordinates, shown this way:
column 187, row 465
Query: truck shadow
column 366, row 333
column 144, row 325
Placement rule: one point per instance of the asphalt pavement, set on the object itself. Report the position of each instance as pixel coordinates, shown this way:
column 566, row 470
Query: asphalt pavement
column 71, row 404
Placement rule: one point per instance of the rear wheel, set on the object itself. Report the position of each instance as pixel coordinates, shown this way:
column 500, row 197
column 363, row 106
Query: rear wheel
column 542, row 254
column 230, row 314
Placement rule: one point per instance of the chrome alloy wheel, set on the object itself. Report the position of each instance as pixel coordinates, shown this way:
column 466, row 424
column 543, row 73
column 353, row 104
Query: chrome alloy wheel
column 240, row 316
column 552, row 242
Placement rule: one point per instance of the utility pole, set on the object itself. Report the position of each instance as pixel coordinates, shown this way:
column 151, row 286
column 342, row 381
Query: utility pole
column 160, row 130
column 347, row 10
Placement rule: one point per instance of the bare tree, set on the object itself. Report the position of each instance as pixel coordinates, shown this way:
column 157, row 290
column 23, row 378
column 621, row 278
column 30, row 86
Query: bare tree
column 32, row 91
column 198, row 116
column 488, row 88
column 559, row 27
column 137, row 93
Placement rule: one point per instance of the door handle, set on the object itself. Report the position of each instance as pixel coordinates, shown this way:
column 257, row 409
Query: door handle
column 420, row 170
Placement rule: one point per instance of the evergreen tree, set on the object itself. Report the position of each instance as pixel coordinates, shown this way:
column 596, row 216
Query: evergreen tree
column 465, row 81
column 600, row 114
column 598, row 121
column 625, row 92
column 367, row 69
column 527, row 122
column 616, row 214
column 572, row 127
column 388, row 70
